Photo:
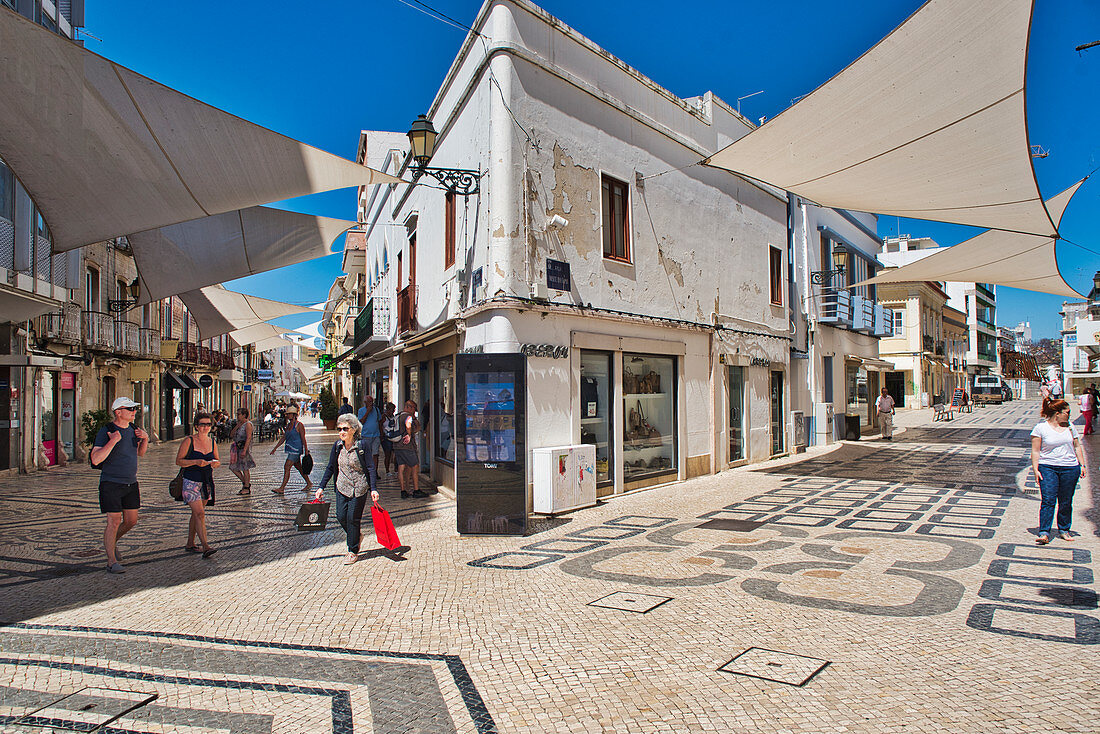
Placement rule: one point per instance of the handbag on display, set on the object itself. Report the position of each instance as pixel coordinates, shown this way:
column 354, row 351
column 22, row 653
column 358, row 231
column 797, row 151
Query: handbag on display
column 175, row 487
column 654, row 382
column 630, row 382
column 312, row 517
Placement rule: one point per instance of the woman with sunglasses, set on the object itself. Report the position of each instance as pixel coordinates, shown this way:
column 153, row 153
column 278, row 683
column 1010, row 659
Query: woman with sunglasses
column 198, row 456
column 352, row 465
column 1058, row 460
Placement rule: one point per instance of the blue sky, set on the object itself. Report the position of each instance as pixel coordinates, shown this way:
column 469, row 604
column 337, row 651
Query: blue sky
column 322, row 73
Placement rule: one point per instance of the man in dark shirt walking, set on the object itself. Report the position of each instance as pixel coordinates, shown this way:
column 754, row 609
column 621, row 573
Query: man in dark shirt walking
column 115, row 451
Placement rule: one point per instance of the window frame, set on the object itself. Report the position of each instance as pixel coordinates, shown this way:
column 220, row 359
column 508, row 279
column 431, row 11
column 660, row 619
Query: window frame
column 608, row 186
column 775, row 275
column 92, row 278
column 448, row 230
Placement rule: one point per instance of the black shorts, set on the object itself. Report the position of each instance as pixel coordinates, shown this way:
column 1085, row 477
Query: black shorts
column 115, row 497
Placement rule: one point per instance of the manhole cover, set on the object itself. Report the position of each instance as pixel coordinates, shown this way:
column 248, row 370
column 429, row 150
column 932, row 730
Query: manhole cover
column 88, row 709
column 781, row 667
column 629, row 602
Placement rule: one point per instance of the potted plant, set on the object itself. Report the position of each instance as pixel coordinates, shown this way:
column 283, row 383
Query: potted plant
column 91, row 421
column 329, row 411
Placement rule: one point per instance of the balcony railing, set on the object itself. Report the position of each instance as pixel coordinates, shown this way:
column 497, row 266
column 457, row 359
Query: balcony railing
column 863, row 313
column 927, row 344
column 836, row 306
column 939, row 349
column 99, row 330
column 149, row 343
column 406, row 309
column 206, row 356
column 63, row 326
column 127, row 338
column 884, row 321
column 373, row 321
column 187, row 352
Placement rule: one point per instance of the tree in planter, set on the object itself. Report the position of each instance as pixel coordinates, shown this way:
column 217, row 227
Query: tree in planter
column 329, row 410
column 91, row 422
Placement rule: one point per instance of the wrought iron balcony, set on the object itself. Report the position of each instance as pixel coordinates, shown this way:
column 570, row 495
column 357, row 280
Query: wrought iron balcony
column 62, row 326
column 149, row 343
column 127, row 338
column 373, row 322
column 99, row 330
column 187, row 352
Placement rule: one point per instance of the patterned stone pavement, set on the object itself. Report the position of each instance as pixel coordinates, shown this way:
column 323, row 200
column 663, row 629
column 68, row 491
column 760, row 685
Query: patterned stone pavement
column 870, row 587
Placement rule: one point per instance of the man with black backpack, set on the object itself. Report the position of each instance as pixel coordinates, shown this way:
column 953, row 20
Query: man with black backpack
column 115, row 452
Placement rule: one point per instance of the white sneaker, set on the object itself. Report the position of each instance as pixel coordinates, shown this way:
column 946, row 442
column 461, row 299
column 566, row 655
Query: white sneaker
column 350, row 558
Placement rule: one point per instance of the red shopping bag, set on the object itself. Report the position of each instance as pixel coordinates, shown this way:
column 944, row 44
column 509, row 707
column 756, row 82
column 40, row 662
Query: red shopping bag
column 383, row 528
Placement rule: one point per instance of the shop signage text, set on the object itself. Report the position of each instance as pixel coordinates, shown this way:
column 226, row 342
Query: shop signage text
column 475, row 349
column 206, row 380
column 557, row 275
column 553, row 351
column 265, row 374
column 760, row 362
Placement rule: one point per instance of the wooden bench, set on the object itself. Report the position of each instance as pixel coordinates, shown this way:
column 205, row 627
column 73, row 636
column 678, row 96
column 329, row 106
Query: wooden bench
column 941, row 412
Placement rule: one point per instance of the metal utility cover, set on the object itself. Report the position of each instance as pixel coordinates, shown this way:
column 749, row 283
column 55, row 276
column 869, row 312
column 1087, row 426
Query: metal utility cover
column 781, row 667
column 737, row 526
column 630, row 602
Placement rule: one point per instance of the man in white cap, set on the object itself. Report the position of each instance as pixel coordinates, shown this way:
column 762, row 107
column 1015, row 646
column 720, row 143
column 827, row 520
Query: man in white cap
column 115, row 452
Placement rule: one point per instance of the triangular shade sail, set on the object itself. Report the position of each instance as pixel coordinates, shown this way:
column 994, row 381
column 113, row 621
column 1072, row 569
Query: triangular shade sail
column 106, row 152
column 187, row 256
column 274, row 342
column 1012, row 259
column 308, row 370
column 928, row 124
column 219, row 311
column 258, row 333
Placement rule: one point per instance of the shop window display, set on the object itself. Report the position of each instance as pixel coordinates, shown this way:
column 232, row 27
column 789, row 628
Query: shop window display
column 445, row 410
column 649, row 412
column 596, row 411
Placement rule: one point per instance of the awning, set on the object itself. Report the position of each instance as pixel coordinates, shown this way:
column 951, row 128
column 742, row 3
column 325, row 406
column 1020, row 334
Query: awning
column 106, row 152
column 870, row 363
column 19, row 305
column 258, row 333
column 187, row 256
column 929, row 123
column 218, row 311
column 1012, row 259
column 180, row 381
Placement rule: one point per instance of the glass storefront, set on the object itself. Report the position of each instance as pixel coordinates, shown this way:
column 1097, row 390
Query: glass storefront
column 856, row 388
column 737, row 413
column 596, row 412
column 779, row 426
column 444, row 410
column 649, row 412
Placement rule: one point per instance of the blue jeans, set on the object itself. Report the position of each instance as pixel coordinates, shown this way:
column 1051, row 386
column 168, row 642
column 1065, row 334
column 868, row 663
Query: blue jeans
column 349, row 512
column 1056, row 487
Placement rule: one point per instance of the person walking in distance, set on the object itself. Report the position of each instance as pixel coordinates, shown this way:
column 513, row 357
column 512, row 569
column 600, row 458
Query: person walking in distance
column 370, row 419
column 405, row 452
column 295, row 439
column 885, row 407
column 115, row 451
column 197, row 456
column 391, row 432
column 352, row 466
column 241, row 462
column 1084, row 402
column 1058, row 460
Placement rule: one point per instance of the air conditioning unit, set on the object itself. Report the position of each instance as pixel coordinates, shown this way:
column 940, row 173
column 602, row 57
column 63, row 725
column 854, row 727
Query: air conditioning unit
column 797, row 431
column 565, row 478
column 540, row 292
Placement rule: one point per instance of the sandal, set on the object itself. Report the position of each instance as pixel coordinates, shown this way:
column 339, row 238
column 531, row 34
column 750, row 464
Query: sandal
column 246, row 490
column 192, row 549
column 208, row 553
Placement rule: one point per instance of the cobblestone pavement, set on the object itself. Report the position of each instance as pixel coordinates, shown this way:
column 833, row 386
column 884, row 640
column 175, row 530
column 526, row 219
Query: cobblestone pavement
column 870, row 587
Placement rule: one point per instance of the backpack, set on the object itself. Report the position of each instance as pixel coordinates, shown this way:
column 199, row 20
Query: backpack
column 391, row 428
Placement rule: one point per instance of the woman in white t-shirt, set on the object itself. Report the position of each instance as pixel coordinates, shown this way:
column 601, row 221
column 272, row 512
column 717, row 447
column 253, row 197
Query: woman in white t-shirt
column 1058, row 460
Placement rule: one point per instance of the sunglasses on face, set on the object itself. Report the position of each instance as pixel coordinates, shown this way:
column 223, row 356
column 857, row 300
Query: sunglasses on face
column 204, row 425
column 341, row 429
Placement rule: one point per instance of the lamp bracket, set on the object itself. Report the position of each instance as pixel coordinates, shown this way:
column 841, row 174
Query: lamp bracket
column 455, row 180
column 120, row 306
column 825, row 277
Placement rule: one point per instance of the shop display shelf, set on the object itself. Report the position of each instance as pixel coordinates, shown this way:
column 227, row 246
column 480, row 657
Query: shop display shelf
column 590, row 421
column 632, row 395
column 647, row 443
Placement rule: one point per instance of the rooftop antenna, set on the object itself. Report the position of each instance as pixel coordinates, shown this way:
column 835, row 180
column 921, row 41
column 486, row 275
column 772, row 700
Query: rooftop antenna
column 746, row 97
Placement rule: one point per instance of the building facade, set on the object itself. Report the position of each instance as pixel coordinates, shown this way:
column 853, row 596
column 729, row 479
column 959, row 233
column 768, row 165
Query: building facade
column 918, row 348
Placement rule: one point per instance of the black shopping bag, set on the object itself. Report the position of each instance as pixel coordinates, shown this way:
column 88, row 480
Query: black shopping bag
column 312, row 517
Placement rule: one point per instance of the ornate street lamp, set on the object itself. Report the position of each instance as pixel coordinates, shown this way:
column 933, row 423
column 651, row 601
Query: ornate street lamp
column 125, row 304
column 422, row 141
column 840, row 260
